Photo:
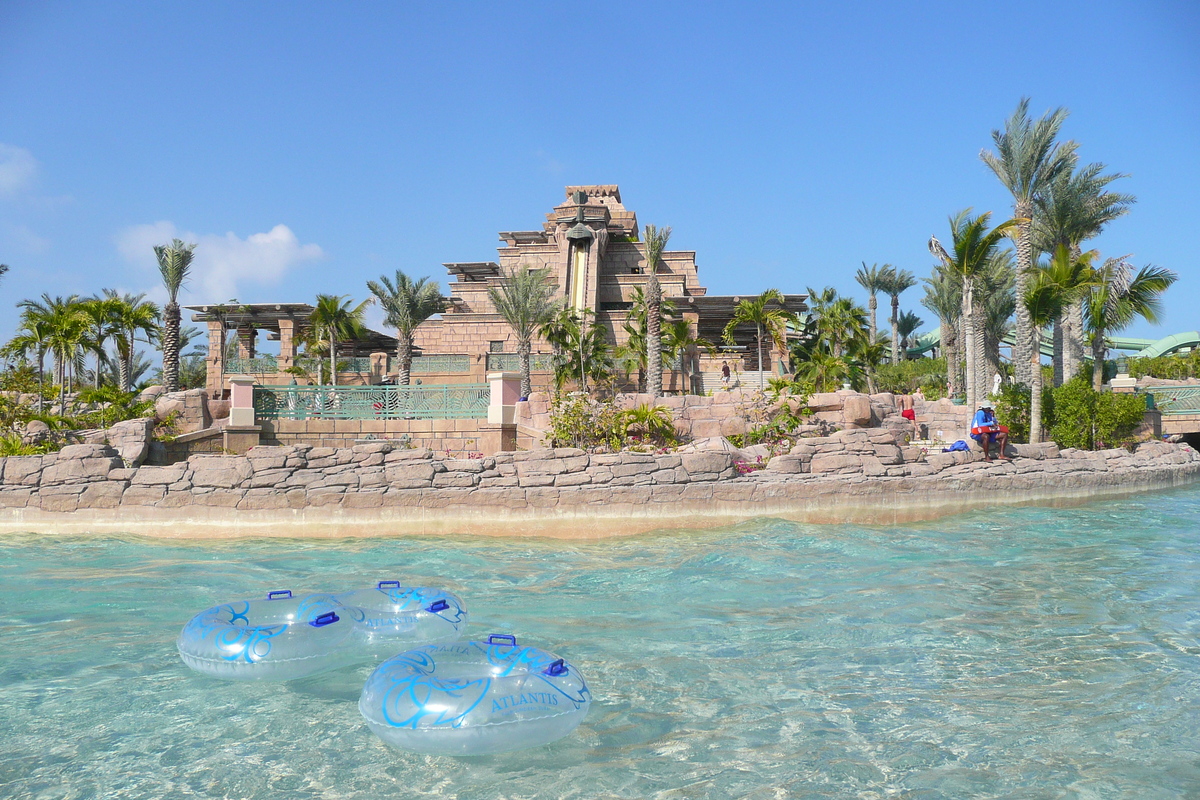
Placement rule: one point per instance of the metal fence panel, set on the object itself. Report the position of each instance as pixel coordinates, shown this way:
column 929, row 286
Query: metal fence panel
column 1175, row 399
column 454, row 401
column 440, row 364
column 510, row 362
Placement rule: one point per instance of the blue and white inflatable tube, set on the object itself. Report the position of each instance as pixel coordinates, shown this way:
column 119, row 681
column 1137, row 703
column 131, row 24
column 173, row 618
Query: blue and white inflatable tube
column 474, row 698
column 282, row 637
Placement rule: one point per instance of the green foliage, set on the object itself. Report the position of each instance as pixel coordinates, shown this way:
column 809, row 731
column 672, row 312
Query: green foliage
column 11, row 445
column 926, row 374
column 1091, row 420
column 647, row 424
column 1074, row 414
column 577, row 420
column 23, row 378
column 775, row 415
column 109, row 406
column 1012, row 410
column 1177, row 367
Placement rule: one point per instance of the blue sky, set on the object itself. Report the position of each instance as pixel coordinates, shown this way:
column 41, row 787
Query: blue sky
column 310, row 147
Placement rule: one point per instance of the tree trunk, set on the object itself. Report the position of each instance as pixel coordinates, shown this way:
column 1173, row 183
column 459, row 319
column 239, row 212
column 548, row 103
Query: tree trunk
column 1059, row 359
column 1073, row 342
column 523, row 348
column 950, row 353
column 758, row 338
column 171, row 347
column 123, row 360
column 1035, row 400
column 653, row 335
column 332, row 360
column 1024, row 344
column 1098, row 361
column 983, row 375
column 895, row 328
column 872, row 305
column 404, row 360
column 968, row 315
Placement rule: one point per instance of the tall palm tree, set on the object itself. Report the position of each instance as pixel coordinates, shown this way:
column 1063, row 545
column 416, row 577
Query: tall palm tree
column 337, row 319
column 1027, row 160
column 896, row 283
column 101, row 313
column 656, row 242
column 407, row 304
column 1118, row 297
column 943, row 296
column 133, row 315
column 3, row 269
column 974, row 248
column 772, row 321
column 999, row 303
column 874, row 279
column 681, row 343
column 1075, row 207
column 174, row 262
column 33, row 334
column 581, row 348
column 1052, row 289
column 908, row 325
column 525, row 298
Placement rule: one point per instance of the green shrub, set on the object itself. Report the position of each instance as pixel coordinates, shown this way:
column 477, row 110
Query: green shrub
column 577, row 420
column 1091, row 420
column 1177, row 367
column 926, row 374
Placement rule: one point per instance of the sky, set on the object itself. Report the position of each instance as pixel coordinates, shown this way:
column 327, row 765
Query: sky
column 309, row 147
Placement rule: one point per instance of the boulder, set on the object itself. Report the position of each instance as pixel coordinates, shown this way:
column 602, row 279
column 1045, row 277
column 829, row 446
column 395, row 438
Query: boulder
column 190, row 409
column 856, row 410
column 131, row 439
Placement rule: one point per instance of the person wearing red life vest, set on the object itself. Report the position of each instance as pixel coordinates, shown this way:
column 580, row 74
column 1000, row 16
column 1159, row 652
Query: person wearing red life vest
column 985, row 430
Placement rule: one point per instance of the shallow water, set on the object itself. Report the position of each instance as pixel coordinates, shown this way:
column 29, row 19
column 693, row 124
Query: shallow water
column 1030, row 653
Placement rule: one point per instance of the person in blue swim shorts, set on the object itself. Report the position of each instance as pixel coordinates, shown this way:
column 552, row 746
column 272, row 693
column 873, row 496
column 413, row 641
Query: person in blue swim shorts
column 985, row 430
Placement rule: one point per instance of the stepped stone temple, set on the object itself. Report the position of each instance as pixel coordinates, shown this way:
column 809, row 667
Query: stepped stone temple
column 591, row 245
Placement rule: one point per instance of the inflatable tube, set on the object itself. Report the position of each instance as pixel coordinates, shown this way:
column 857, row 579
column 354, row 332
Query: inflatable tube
column 391, row 618
column 276, row 639
column 283, row 637
column 474, row 698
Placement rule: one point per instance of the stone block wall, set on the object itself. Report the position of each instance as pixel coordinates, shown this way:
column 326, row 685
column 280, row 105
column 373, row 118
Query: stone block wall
column 455, row 435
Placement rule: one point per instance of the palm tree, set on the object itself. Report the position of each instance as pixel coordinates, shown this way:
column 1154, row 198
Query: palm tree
column 174, row 261
column 943, row 296
column 1075, row 207
column 1027, row 160
column 1117, row 298
column 32, row 338
column 656, row 242
column 895, row 284
column 580, row 347
column 337, row 320
column 1051, row 290
column 681, row 344
column 974, row 247
column 525, row 298
column 773, row 321
column 101, row 313
column 906, row 327
column 407, row 303
column 132, row 315
column 874, row 279
column 3, row 269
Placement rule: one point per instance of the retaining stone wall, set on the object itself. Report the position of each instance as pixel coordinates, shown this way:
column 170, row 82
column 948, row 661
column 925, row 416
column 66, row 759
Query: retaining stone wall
column 375, row 476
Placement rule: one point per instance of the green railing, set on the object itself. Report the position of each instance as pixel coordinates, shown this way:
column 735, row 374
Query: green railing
column 509, row 362
column 259, row 365
column 455, row 401
column 269, row 365
column 1175, row 399
column 440, row 364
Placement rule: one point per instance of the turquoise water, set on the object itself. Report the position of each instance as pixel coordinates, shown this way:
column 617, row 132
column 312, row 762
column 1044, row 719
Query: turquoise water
column 1031, row 653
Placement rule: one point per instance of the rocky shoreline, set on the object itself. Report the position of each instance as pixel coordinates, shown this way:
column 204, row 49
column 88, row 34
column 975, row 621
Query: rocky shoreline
column 867, row 476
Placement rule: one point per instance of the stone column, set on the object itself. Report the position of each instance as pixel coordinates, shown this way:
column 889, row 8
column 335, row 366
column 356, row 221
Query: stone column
column 378, row 368
column 287, row 344
column 241, row 433
column 500, row 432
column 247, row 336
column 216, row 359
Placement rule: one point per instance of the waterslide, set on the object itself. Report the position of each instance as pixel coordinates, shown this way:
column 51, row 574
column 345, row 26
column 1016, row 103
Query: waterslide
column 1142, row 348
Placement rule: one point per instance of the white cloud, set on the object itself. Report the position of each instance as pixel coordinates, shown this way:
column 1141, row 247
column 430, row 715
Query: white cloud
column 23, row 237
column 224, row 265
column 18, row 168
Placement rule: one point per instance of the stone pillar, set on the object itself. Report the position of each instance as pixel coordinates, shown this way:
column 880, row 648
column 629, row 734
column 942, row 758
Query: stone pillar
column 378, row 368
column 287, row 344
column 500, row 434
column 216, row 359
column 247, row 335
column 241, row 434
